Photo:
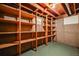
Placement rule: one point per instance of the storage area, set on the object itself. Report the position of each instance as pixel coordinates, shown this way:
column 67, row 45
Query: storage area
column 27, row 26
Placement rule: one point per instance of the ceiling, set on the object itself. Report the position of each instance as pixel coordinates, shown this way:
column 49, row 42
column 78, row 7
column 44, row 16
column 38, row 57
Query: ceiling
column 55, row 10
column 59, row 10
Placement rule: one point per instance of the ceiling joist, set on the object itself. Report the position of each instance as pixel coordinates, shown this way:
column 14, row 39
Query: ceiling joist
column 67, row 5
column 74, row 9
column 26, row 8
column 52, row 9
column 65, row 9
column 43, row 10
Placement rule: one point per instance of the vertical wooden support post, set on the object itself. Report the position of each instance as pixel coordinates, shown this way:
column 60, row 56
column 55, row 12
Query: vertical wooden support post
column 42, row 32
column 74, row 9
column 36, row 30
column 51, row 29
column 32, row 41
column 78, row 21
column 46, row 33
column 17, row 37
column 19, row 29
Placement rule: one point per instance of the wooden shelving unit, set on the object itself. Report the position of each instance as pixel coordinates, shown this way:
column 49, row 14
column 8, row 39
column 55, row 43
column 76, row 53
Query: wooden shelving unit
column 18, row 32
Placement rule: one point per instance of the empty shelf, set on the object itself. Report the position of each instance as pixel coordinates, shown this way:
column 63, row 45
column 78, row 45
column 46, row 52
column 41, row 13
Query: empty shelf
column 27, row 32
column 14, row 21
column 8, row 21
column 27, row 23
column 8, row 32
column 13, row 11
column 8, row 44
column 41, row 37
column 50, row 35
column 27, row 40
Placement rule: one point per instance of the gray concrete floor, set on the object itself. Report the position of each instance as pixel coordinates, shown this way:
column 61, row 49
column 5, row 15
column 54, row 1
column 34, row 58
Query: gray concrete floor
column 53, row 49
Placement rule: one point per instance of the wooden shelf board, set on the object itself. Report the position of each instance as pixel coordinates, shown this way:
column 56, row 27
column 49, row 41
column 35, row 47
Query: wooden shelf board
column 40, row 31
column 53, row 30
column 50, row 35
column 15, row 22
column 8, row 44
column 8, row 32
column 40, row 37
column 15, row 12
column 54, row 35
column 8, row 21
column 26, row 23
column 30, row 31
column 18, row 32
column 27, row 40
column 27, row 31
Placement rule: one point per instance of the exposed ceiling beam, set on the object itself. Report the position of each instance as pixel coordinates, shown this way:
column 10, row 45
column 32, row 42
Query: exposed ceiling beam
column 43, row 10
column 35, row 10
column 65, row 9
column 67, row 5
column 77, row 9
column 52, row 9
column 26, row 8
column 74, row 8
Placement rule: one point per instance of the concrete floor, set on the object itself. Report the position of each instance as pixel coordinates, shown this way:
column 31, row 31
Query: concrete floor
column 53, row 49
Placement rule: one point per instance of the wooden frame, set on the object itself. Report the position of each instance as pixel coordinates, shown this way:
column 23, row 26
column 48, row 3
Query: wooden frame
column 20, row 30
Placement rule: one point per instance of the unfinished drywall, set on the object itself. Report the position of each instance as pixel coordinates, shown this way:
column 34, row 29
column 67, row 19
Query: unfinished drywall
column 60, row 29
column 69, row 30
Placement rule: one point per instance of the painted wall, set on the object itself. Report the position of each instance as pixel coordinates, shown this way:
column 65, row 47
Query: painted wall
column 68, row 30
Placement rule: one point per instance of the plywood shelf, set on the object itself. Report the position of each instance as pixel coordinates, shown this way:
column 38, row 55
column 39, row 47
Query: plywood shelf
column 40, row 31
column 27, row 40
column 18, row 32
column 27, row 31
column 25, row 23
column 41, row 37
column 31, row 31
column 54, row 33
column 15, row 12
column 15, row 22
column 8, row 32
column 49, row 35
column 9, row 21
column 53, row 30
column 8, row 44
